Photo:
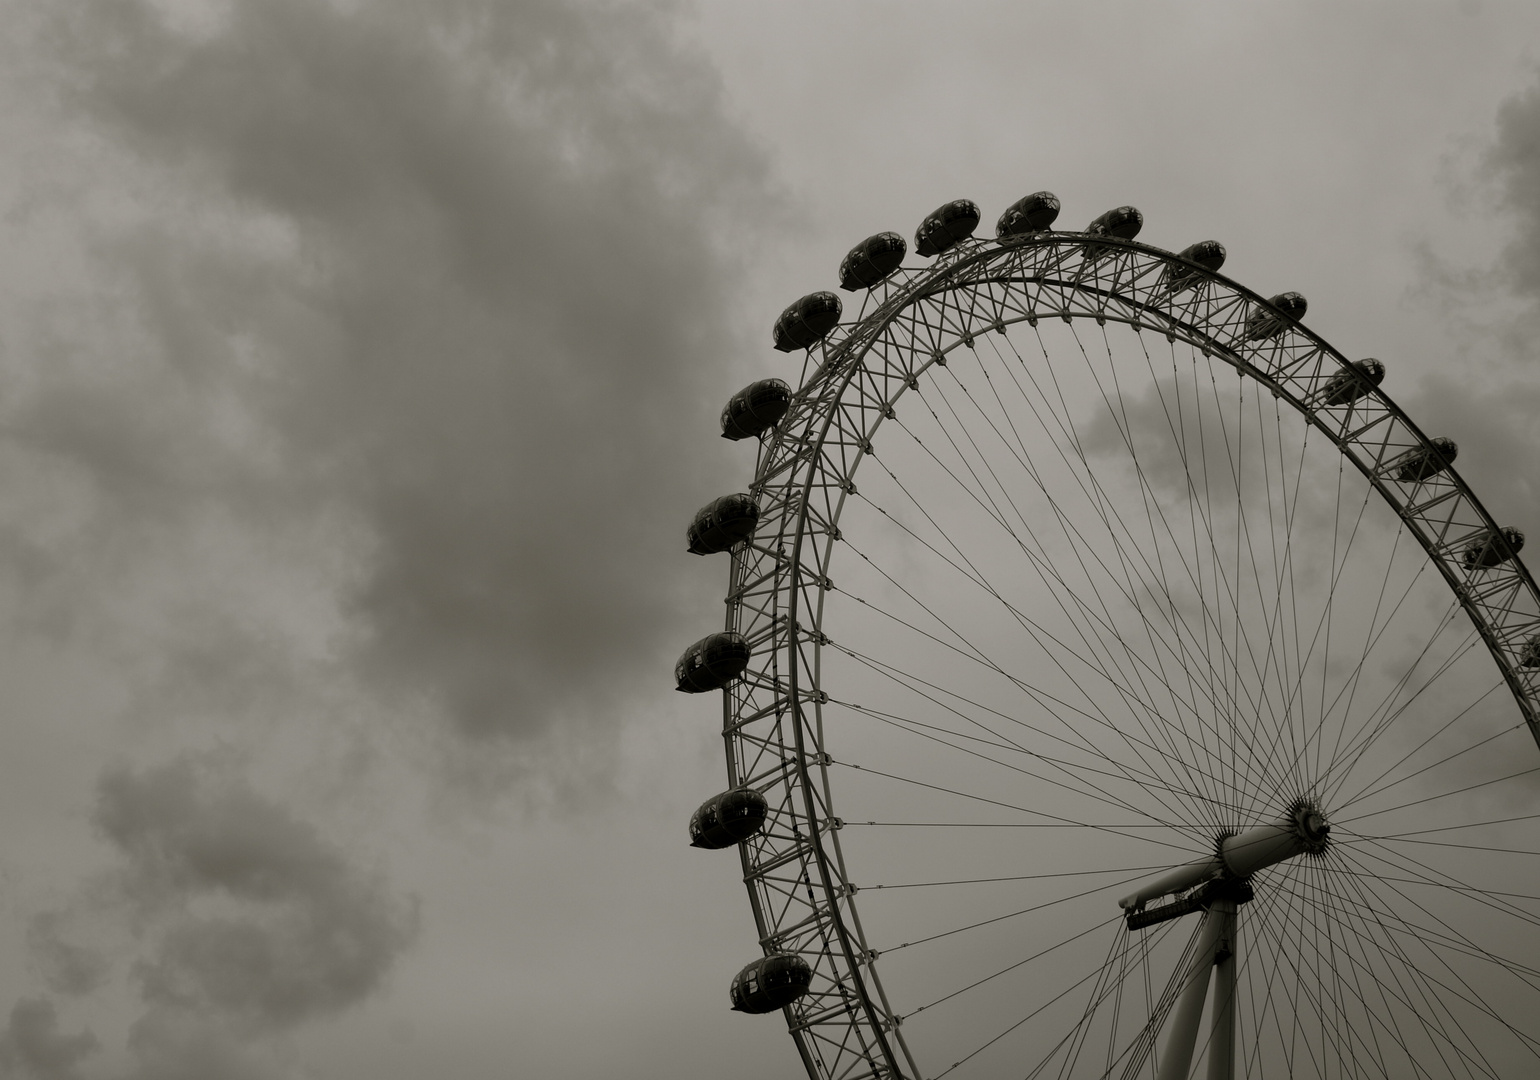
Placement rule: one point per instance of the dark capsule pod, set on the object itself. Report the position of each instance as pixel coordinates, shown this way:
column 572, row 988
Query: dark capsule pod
column 711, row 663
column 755, row 409
column 807, row 322
column 771, row 983
column 1123, row 223
column 1033, row 214
column 945, row 226
column 1208, row 254
column 1353, row 382
column 1493, row 549
column 872, row 260
column 721, row 523
column 1264, row 322
column 729, row 818
column 1426, row 461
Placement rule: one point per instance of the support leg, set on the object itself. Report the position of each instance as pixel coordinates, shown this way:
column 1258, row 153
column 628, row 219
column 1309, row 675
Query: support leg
column 1177, row 1060
column 1221, row 1044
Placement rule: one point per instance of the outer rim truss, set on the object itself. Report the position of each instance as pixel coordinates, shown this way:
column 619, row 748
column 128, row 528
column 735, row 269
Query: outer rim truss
column 773, row 719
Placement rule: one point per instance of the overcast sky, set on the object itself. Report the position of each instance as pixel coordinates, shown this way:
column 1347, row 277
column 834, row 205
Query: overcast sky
column 359, row 366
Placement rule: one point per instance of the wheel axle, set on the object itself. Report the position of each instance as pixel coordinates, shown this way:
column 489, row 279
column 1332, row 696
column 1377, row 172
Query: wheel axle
column 1303, row 830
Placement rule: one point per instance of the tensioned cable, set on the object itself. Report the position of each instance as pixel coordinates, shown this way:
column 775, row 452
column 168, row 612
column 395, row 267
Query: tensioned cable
column 1102, row 504
column 1388, row 711
column 1452, row 828
column 1027, row 624
column 1427, row 937
column 972, row 652
column 1407, row 864
column 1006, row 970
column 1178, row 433
column 1440, row 795
column 903, row 724
column 999, row 803
column 1099, row 991
column 907, row 681
column 1454, row 941
column 1011, row 915
column 1369, row 792
column 1436, row 884
column 1424, row 978
column 1078, row 540
column 1017, row 877
column 1324, row 901
column 1003, row 825
column 1038, row 633
column 1104, row 507
column 1144, row 708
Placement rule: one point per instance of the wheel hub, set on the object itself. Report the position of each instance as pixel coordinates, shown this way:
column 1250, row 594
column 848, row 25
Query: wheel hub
column 1301, row 830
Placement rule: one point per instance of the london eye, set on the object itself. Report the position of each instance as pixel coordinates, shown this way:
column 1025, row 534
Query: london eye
column 1116, row 682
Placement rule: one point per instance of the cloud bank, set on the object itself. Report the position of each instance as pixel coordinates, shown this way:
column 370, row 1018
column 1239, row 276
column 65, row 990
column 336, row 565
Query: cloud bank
column 426, row 302
column 227, row 918
column 1487, row 394
column 354, row 367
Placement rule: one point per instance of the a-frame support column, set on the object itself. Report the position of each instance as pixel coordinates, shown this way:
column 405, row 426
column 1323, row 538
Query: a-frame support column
column 1221, row 1043
column 1215, row 954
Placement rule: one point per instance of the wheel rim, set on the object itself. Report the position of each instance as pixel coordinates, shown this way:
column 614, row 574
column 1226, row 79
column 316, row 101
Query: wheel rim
column 784, row 601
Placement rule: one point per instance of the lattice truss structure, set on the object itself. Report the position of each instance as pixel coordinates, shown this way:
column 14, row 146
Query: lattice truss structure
column 853, row 382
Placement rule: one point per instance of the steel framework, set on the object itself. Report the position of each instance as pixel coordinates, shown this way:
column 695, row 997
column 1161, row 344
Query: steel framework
column 802, row 898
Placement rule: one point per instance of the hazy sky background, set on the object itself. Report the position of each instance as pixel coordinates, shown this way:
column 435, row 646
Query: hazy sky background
column 359, row 366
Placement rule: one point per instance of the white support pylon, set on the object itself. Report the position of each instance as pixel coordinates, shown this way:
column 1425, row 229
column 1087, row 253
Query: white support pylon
column 1221, row 1042
column 1176, row 1062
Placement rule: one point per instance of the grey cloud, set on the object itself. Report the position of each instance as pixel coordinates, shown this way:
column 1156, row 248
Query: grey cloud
column 301, row 932
column 67, row 967
column 33, row 1048
column 236, row 920
column 1514, row 163
column 171, row 1045
column 1485, row 395
column 464, row 272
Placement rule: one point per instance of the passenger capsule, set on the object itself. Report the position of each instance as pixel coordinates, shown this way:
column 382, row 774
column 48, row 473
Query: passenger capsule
column 872, row 260
column 1209, row 254
column 807, row 322
column 1033, row 214
column 1426, row 461
column 755, row 409
column 946, row 225
column 711, row 663
column 1493, row 549
column 1353, row 382
column 1265, row 323
column 1123, row 223
column 771, row 983
column 1529, row 656
column 729, row 818
column 722, row 523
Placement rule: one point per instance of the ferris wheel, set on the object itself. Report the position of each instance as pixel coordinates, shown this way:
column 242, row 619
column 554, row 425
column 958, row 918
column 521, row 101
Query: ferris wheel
column 1157, row 701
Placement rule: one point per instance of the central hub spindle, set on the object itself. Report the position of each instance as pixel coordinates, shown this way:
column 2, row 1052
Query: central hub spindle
column 1304, row 830
column 1217, row 886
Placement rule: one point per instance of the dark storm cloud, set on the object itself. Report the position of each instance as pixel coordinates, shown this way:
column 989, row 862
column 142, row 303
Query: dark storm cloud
column 462, row 272
column 1514, row 163
column 300, row 931
column 67, row 967
column 240, row 922
column 33, row 1048
column 1486, row 396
